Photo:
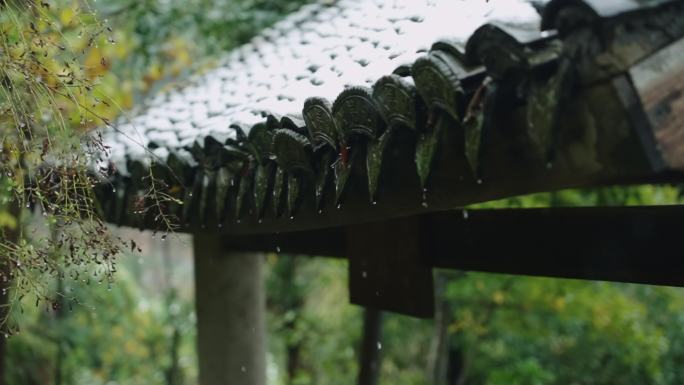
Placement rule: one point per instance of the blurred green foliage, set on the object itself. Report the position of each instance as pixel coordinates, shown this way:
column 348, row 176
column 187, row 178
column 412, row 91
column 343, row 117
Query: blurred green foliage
column 116, row 334
column 162, row 41
column 550, row 331
column 49, row 101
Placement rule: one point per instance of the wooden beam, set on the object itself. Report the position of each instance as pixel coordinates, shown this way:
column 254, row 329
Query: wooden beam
column 329, row 242
column 627, row 244
column 394, row 258
column 388, row 267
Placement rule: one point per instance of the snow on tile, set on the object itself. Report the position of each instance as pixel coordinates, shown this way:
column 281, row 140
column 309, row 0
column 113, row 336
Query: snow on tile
column 316, row 51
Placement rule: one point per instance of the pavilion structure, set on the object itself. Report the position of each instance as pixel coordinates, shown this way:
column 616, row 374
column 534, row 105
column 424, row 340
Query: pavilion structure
column 359, row 129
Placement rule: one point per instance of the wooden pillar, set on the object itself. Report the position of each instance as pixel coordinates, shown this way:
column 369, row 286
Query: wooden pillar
column 369, row 362
column 230, row 303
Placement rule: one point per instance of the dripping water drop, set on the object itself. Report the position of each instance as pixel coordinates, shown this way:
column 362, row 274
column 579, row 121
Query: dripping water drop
column 364, row 274
column 339, row 206
column 277, row 249
column 465, row 214
column 379, row 345
column 479, row 181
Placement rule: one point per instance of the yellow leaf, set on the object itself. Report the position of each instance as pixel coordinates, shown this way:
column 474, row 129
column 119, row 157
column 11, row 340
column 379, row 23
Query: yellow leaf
column 174, row 189
column 153, row 74
column 559, row 304
column 7, row 220
column 96, row 64
column 66, row 15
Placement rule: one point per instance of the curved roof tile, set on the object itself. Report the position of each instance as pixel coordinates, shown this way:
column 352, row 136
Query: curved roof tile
column 317, row 51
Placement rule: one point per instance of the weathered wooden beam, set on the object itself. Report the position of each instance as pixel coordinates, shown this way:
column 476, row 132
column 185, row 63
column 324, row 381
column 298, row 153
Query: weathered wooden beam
column 629, row 244
column 330, row 242
column 388, row 267
column 625, row 244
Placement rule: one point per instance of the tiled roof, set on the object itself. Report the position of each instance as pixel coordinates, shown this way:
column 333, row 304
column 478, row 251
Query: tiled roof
column 360, row 93
column 316, row 52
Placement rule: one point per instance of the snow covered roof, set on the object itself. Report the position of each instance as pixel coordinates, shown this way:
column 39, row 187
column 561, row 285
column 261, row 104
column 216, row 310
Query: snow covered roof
column 317, row 51
column 414, row 105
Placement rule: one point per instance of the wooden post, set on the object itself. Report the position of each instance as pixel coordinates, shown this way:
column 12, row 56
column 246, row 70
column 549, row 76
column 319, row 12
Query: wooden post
column 369, row 357
column 439, row 347
column 231, row 332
